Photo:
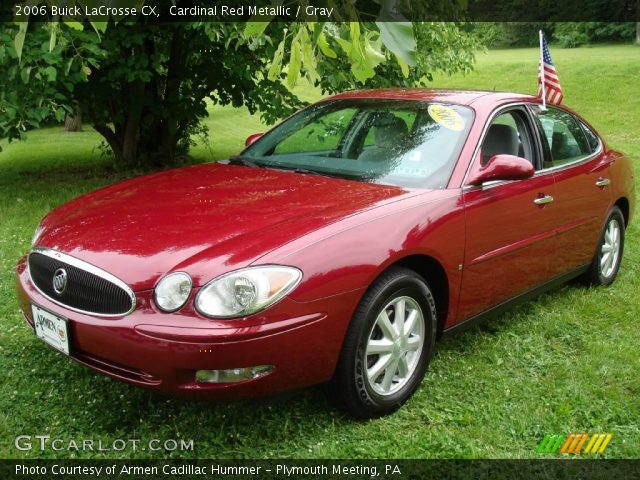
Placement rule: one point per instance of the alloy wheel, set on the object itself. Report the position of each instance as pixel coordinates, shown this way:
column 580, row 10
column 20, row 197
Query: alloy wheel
column 610, row 250
column 394, row 345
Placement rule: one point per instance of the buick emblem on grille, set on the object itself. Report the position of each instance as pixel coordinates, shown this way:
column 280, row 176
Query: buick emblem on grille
column 60, row 281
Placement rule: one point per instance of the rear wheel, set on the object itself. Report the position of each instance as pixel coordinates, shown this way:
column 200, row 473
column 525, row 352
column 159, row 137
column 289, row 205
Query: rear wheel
column 388, row 345
column 606, row 261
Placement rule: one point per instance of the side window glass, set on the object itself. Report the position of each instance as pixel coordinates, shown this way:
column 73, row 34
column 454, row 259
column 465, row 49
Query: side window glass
column 564, row 136
column 592, row 138
column 508, row 135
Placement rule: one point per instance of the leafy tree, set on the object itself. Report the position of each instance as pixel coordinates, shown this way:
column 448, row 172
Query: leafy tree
column 38, row 88
column 144, row 86
column 567, row 34
column 575, row 34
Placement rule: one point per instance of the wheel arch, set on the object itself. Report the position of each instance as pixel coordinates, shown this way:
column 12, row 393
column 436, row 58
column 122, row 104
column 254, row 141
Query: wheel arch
column 623, row 204
column 432, row 271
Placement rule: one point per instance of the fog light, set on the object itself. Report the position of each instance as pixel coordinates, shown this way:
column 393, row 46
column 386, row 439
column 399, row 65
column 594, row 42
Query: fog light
column 232, row 375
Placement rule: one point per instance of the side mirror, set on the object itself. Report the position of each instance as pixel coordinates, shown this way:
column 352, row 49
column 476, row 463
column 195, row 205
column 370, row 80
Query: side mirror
column 502, row 167
column 252, row 138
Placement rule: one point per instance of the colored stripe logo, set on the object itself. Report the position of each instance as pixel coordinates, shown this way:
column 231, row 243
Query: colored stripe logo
column 574, row 443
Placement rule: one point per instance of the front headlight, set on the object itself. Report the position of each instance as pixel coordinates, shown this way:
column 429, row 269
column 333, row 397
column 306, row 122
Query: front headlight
column 246, row 291
column 172, row 291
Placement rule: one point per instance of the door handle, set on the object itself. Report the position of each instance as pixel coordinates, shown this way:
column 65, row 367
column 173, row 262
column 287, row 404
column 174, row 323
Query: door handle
column 603, row 182
column 543, row 200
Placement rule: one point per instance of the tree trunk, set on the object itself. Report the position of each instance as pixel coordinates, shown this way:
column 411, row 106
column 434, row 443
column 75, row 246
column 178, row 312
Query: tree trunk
column 142, row 130
column 111, row 138
column 638, row 32
column 162, row 131
column 169, row 127
column 131, row 132
column 73, row 123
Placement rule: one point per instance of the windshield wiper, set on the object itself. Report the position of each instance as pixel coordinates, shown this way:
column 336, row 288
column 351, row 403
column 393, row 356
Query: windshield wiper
column 303, row 170
column 238, row 160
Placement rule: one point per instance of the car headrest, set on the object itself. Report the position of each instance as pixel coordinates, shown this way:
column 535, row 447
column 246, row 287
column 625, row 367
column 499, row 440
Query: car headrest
column 500, row 139
column 559, row 145
column 388, row 131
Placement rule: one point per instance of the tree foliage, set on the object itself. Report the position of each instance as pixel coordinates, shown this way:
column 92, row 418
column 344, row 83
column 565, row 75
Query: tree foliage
column 575, row 34
column 38, row 87
column 567, row 34
column 144, row 86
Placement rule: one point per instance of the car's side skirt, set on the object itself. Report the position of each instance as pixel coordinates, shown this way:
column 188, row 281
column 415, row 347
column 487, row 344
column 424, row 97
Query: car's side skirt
column 507, row 304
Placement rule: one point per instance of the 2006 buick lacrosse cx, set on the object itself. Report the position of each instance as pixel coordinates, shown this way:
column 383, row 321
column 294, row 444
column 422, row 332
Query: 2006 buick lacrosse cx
column 335, row 248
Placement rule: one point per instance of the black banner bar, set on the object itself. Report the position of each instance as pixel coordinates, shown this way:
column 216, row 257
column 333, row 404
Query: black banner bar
column 326, row 10
column 557, row 469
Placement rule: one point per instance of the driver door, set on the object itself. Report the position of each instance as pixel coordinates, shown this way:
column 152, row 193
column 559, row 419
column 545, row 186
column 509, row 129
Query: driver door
column 509, row 224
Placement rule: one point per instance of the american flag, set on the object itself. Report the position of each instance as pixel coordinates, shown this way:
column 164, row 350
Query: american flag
column 548, row 81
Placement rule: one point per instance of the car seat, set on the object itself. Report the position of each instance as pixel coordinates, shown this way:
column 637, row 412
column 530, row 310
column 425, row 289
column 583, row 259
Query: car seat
column 389, row 131
column 500, row 140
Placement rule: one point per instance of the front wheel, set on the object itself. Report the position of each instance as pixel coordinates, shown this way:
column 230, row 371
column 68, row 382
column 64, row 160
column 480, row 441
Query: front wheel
column 606, row 261
column 388, row 345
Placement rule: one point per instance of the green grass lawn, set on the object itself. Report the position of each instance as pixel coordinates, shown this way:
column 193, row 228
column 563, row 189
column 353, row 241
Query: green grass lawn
column 567, row 362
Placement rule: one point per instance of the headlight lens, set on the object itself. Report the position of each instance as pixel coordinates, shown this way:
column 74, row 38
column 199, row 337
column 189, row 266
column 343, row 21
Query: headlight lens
column 246, row 291
column 172, row 291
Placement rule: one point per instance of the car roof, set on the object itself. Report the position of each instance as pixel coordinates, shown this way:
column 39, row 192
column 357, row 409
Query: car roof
column 461, row 97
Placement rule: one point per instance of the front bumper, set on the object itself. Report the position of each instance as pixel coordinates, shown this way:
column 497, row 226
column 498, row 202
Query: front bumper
column 163, row 351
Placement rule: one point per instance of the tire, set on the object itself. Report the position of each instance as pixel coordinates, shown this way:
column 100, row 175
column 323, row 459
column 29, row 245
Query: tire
column 371, row 343
column 603, row 271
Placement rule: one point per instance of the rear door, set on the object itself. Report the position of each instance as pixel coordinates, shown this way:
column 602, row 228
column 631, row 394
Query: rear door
column 575, row 157
column 510, row 224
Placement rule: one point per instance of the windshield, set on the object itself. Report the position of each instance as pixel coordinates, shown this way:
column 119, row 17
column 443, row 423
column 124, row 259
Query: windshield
column 406, row 143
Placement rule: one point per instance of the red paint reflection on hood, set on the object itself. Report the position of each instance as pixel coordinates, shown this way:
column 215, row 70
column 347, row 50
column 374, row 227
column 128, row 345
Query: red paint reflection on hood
column 229, row 215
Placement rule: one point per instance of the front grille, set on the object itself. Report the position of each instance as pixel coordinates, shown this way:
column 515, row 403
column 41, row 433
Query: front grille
column 88, row 289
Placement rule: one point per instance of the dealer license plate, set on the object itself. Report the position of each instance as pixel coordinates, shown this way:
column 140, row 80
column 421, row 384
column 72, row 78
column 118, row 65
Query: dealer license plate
column 51, row 328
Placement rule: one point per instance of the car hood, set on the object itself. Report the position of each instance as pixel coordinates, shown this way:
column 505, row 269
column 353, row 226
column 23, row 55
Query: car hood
column 220, row 217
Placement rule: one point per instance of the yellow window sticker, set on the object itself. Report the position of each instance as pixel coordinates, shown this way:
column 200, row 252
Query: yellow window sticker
column 447, row 117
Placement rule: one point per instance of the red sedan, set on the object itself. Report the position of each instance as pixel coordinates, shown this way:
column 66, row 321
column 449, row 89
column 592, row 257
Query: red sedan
column 335, row 248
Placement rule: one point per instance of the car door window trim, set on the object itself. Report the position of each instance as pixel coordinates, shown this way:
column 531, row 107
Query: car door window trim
column 538, row 173
column 497, row 112
column 577, row 161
